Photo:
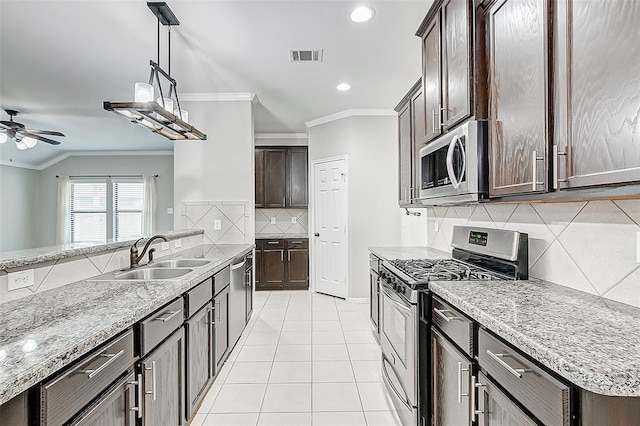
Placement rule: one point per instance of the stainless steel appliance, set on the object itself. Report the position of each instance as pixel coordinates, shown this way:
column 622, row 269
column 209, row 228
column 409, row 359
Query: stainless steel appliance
column 374, row 295
column 454, row 168
column 478, row 254
column 237, row 300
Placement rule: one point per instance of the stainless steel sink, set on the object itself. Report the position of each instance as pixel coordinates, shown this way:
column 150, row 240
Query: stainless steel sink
column 152, row 274
column 181, row 263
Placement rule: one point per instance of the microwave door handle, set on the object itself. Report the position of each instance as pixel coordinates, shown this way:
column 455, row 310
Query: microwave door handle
column 464, row 160
column 452, row 174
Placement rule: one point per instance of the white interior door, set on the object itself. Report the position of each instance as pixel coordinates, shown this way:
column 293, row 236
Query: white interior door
column 331, row 255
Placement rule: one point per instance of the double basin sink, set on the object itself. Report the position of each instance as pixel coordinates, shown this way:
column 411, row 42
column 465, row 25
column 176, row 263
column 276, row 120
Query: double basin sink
column 163, row 270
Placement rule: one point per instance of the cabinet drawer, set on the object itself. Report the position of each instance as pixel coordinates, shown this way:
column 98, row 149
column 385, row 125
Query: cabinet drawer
column 160, row 325
column 221, row 280
column 273, row 244
column 301, row 243
column 454, row 324
column 543, row 395
column 66, row 394
column 198, row 297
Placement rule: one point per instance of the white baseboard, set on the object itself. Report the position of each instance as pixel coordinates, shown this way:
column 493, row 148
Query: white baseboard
column 358, row 299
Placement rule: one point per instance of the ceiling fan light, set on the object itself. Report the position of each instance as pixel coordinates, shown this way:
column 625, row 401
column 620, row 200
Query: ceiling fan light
column 3, row 138
column 21, row 145
column 143, row 92
column 29, row 141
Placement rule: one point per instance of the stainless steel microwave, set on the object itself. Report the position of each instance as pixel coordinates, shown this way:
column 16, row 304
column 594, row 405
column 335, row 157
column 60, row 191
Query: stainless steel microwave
column 454, row 168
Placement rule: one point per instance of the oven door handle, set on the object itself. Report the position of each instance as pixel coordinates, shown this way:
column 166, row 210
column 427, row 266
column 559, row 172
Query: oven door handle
column 393, row 300
column 404, row 399
column 455, row 181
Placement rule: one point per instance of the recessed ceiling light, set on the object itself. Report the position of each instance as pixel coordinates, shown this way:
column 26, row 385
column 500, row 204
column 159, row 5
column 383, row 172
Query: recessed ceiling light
column 343, row 87
column 362, row 14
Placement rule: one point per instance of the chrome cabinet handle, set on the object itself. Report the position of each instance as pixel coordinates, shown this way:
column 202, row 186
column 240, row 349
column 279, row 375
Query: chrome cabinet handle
column 460, row 394
column 518, row 372
column 534, row 166
column 556, row 155
column 111, row 358
column 474, row 405
column 441, row 313
column 217, row 313
column 289, row 255
column 154, row 389
column 213, row 315
column 281, row 255
column 273, row 242
column 168, row 317
column 138, row 384
column 434, row 113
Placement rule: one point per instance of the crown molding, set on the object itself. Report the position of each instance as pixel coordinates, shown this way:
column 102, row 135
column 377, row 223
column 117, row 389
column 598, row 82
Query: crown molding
column 19, row 165
column 351, row 113
column 281, row 136
column 66, row 155
column 219, row 97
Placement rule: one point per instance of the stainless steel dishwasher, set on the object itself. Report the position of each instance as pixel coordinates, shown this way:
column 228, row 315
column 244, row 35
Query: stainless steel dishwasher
column 237, row 301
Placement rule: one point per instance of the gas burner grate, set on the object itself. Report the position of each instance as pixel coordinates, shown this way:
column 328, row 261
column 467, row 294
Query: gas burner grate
column 441, row 269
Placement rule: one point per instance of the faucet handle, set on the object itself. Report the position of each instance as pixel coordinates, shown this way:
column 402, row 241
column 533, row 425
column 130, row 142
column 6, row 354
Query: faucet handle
column 151, row 254
column 134, row 248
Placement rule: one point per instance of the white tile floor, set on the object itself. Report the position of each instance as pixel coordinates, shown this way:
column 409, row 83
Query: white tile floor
column 304, row 359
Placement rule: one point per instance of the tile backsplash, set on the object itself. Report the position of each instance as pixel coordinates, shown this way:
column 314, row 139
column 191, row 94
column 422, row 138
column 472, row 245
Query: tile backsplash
column 223, row 222
column 589, row 246
column 57, row 273
column 283, row 221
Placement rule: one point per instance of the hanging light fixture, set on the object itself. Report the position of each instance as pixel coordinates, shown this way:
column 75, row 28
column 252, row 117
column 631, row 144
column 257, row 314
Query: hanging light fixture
column 159, row 115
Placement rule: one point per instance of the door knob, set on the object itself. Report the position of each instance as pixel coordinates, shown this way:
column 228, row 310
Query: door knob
column 317, row 234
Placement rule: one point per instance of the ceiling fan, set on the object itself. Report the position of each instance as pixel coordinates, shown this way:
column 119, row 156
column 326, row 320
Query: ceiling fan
column 25, row 138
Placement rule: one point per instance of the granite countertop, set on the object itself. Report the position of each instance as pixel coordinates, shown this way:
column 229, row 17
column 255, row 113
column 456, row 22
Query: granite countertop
column 45, row 332
column 409, row 252
column 591, row 341
column 17, row 258
column 281, row 236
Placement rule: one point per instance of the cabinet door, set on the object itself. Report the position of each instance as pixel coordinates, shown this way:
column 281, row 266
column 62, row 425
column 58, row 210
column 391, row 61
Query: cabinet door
column 518, row 112
column 451, row 376
column 405, row 144
column 297, row 269
column 418, row 128
column 259, row 176
column 113, row 408
column 273, row 261
column 163, row 378
column 604, row 92
column 198, row 355
column 275, row 178
column 374, row 299
column 496, row 409
column 297, row 179
column 456, row 61
column 431, row 80
column 221, row 325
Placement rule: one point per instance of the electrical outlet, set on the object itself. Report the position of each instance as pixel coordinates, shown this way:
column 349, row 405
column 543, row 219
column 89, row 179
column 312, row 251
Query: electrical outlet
column 169, row 210
column 165, row 246
column 177, row 244
column 273, row 220
column 294, row 219
column 217, row 224
column 20, row 279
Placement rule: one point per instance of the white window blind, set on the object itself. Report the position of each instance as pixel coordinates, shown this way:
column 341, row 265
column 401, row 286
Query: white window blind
column 88, row 211
column 128, row 201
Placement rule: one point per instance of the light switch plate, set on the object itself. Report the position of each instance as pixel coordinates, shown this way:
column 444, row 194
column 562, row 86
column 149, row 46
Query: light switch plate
column 294, row 219
column 20, row 279
column 273, row 220
column 169, row 210
column 217, row 224
column 177, row 243
column 165, row 246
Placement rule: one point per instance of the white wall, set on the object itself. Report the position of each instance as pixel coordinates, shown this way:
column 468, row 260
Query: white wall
column 162, row 165
column 19, row 208
column 370, row 142
column 222, row 167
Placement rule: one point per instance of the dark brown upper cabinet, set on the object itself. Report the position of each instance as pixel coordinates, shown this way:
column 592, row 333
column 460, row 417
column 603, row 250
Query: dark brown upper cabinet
column 411, row 129
column 281, row 177
column 518, row 96
column 597, row 94
column 447, row 65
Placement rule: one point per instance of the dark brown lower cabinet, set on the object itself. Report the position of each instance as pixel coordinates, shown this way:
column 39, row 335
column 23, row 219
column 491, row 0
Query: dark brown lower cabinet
column 113, row 408
column 451, row 383
column 163, row 379
column 199, row 332
column 496, row 409
column 282, row 264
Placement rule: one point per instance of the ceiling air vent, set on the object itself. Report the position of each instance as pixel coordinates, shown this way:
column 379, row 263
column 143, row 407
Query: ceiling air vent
column 307, row 55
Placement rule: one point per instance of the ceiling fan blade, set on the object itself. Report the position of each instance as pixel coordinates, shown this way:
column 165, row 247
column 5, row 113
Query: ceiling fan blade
column 45, row 132
column 5, row 123
column 41, row 138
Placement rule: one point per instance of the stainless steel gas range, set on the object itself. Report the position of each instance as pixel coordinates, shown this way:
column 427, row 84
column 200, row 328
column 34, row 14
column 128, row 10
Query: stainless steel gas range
column 477, row 254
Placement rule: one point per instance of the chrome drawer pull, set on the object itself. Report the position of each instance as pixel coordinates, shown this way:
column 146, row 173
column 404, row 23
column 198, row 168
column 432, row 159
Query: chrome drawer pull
column 112, row 357
column 273, row 242
column 460, row 394
column 167, row 318
column 515, row 371
column 441, row 313
column 138, row 384
column 474, row 408
column 154, row 389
